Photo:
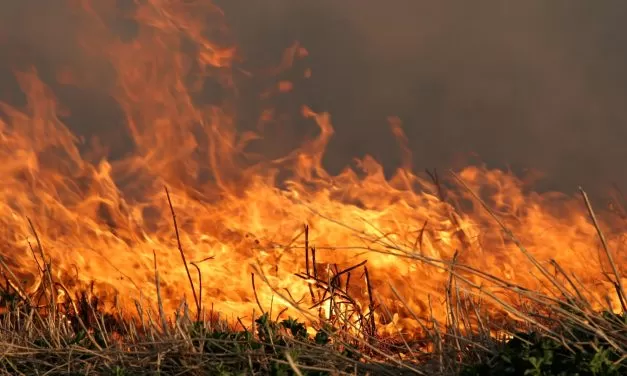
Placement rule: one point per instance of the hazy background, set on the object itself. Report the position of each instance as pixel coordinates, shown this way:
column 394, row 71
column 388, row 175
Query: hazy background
column 538, row 84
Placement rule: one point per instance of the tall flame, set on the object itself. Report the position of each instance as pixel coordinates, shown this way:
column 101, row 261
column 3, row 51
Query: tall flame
column 108, row 220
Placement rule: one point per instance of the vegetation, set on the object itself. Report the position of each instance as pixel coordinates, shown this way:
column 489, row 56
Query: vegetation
column 76, row 336
column 87, row 341
column 537, row 354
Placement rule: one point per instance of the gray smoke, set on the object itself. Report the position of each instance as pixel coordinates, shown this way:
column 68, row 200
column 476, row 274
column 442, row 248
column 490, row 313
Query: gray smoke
column 526, row 84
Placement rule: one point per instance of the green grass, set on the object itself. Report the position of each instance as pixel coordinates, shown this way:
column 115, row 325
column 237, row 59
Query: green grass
column 575, row 353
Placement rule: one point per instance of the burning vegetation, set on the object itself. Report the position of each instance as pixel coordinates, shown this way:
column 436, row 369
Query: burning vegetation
column 191, row 251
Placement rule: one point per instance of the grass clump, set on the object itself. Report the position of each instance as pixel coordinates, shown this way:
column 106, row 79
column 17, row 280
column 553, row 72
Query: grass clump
column 87, row 341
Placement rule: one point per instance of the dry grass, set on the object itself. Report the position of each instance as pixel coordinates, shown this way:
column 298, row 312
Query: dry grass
column 76, row 337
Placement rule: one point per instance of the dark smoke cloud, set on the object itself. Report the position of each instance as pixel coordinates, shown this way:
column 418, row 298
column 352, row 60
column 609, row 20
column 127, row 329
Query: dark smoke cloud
column 527, row 84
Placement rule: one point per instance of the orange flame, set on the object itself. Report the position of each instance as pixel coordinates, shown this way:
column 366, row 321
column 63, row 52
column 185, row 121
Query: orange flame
column 103, row 219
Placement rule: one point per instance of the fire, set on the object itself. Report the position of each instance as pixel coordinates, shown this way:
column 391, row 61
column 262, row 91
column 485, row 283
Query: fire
column 109, row 220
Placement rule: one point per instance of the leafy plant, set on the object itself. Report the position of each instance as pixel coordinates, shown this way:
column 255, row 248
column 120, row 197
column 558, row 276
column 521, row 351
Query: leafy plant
column 534, row 354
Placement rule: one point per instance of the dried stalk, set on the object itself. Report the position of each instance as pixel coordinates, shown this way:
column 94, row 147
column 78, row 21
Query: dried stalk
column 178, row 240
column 618, row 283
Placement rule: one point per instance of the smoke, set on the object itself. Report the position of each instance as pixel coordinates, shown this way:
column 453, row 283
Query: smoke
column 43, row 36
column 525, row 84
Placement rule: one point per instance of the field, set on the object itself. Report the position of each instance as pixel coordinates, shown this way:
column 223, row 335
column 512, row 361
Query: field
column 481, row 335
column 171, row 234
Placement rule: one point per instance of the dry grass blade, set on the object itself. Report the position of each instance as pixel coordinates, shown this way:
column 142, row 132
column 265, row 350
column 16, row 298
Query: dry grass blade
column 13, row 282
column 46, row 268
column 513, row 238
column 180, row 247
column 162, row 317
column 293, row 364
column 606, row 248
column 454, row 322
column 252, row 281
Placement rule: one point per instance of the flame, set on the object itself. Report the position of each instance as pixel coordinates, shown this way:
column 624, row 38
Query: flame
column 108, row 220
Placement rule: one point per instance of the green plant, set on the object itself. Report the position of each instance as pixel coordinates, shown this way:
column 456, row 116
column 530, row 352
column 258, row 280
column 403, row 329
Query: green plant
column 535, row 354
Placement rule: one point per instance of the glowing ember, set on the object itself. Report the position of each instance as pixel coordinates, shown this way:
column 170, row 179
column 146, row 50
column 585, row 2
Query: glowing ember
column 107, row 220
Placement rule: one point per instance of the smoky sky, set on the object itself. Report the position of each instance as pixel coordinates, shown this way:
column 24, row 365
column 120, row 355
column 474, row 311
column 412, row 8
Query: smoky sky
column 525, row 84
column 520, row 84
